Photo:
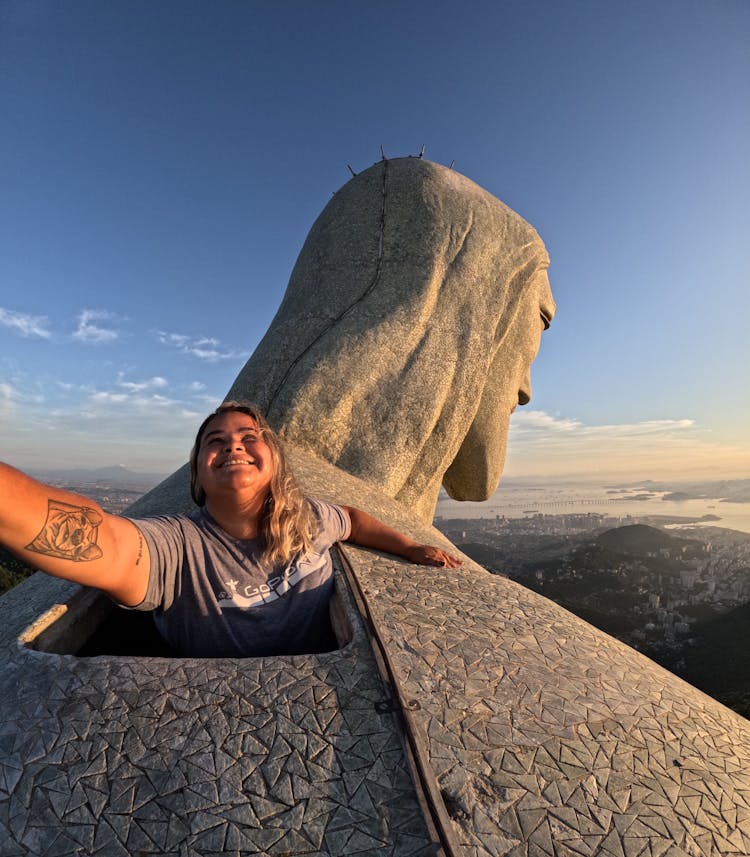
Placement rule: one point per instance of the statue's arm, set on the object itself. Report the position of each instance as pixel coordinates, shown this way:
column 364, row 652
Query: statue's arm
column 71, row 536
column 369, row 532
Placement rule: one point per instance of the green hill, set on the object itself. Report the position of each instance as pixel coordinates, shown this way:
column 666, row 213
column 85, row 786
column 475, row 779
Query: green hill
column 12, row 570
column 724, row 640
column 639, row 539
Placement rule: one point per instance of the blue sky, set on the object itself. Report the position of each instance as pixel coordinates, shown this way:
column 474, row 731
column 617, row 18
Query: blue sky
column 162, row 162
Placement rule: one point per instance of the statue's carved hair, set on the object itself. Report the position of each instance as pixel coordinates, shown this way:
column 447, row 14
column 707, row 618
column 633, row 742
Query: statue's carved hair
column 287, row 523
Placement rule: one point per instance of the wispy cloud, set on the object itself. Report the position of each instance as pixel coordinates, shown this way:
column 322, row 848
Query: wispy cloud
column 25, row 325
column 203, row 347
column 92, row 333
column 528, row 425
column 155, row 383
column 178, row 340
column 13, row 394
column 145, row 422
column 542, row 444
column 106, row 397
column 137, row 401
column 8, row 399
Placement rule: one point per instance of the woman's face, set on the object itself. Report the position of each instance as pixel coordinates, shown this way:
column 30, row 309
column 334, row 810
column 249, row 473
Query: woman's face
column 233, row 458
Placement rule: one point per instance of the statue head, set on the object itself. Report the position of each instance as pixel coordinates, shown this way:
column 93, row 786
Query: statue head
column 406, row 334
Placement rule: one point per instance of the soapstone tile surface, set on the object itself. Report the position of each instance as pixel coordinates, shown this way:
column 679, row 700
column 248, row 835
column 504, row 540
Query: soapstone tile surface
column 542, row 736
column 121, row 756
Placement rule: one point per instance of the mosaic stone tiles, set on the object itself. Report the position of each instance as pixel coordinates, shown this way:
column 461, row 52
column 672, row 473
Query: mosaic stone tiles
column 548, row 737
column 542, row 736
column 134, row 756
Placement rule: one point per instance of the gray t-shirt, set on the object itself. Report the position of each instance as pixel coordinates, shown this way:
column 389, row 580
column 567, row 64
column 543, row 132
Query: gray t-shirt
column 211, row 597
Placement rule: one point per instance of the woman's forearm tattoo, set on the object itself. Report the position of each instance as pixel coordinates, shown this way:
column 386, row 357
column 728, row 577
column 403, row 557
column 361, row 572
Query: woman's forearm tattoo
column 70, row 532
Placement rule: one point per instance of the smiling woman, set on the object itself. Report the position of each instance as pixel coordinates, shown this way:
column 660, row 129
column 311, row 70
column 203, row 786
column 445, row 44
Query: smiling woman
column 237, row 458
column 248, row 574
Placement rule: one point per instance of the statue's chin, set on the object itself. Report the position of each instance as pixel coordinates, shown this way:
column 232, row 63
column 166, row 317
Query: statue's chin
column 461, row 493
column 475, row 471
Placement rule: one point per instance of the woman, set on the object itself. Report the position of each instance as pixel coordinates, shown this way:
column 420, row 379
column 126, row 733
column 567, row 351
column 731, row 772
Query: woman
column 248, row 574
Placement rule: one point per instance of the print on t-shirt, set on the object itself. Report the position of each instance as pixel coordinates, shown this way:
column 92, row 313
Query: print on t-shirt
column 252, row 594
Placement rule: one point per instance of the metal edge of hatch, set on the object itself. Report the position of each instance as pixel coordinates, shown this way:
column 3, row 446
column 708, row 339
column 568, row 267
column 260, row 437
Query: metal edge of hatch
column 430, row 800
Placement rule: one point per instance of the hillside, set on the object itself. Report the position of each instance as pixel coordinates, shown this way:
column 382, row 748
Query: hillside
column 116, row 474
column 12, row 570
column 717, row 658
column 637, row 540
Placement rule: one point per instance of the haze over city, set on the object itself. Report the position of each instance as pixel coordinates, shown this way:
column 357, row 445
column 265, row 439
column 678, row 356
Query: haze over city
column 162, row 163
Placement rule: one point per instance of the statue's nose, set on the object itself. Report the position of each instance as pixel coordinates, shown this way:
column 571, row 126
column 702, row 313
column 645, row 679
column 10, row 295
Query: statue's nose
column 524, row 390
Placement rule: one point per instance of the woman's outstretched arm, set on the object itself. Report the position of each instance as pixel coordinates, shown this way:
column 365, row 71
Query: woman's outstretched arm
column 71, row 536
column 369, row 532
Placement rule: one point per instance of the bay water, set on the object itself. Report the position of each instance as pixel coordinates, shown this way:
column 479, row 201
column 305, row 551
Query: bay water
column 523, row 500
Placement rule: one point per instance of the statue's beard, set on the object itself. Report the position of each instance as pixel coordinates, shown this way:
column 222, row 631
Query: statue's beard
column 475, row 472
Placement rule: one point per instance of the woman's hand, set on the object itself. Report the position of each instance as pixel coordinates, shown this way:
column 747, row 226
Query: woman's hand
column 372, row 533
column 430, row 555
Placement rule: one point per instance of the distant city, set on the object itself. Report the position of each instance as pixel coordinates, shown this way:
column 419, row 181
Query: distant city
column 114, row 488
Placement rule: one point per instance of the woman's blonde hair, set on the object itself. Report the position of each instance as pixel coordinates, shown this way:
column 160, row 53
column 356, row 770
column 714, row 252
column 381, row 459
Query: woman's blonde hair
column 287, row 524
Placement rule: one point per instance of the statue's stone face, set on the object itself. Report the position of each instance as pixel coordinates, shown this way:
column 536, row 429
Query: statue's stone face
column 475, row 472
column 419, row 295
